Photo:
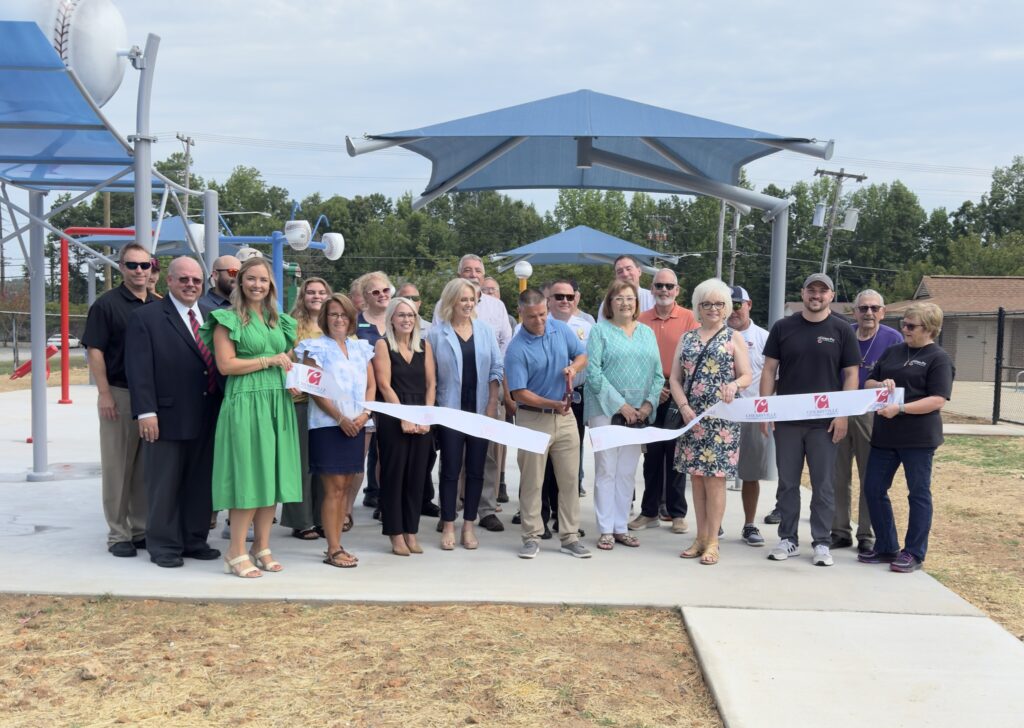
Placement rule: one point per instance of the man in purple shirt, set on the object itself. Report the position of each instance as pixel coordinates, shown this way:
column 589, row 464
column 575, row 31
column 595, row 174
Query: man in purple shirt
column 873, row 338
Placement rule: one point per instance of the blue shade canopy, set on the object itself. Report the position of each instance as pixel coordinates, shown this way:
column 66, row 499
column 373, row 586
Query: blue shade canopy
column 52, row 134
column 545, row 153
column 579, row 245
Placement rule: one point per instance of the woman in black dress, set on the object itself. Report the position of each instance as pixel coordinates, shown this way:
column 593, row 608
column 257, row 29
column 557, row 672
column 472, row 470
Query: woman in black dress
column 403, row 366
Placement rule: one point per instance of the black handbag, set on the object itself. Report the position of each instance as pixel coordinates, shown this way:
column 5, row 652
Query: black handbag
column 619, row 419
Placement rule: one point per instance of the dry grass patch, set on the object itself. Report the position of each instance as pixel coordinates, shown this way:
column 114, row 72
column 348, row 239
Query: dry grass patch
column 75, row 661
column 78, row 375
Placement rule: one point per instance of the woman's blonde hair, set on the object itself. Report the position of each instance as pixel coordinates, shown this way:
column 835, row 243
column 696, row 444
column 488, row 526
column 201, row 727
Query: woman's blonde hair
column 451, row 294
column 269, row 304
column 299, row 311
column 613, row 290
column 929, row 314
column 389, row 327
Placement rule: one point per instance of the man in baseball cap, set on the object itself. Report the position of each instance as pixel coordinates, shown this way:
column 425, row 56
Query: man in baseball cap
column 811, row 351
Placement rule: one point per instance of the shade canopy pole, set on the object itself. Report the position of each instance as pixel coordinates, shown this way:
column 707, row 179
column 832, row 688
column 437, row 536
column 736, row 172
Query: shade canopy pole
column 506, row 146
column 143, row 143
column 777, row 284
column 37, row 301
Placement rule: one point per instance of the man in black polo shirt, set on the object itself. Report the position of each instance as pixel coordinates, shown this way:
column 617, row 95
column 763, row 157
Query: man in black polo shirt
column 811, row 352
column 124, row 493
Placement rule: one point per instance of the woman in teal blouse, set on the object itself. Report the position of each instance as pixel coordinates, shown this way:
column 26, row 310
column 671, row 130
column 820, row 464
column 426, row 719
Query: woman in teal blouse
column 624, row 380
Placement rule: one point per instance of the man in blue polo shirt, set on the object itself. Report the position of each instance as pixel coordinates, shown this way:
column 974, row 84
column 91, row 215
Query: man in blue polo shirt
column 540, row 364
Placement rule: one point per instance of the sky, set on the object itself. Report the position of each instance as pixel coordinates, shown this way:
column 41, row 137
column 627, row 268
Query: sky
column 925, row 92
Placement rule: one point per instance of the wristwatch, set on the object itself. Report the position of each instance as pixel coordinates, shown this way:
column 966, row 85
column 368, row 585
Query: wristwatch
column 902, row 408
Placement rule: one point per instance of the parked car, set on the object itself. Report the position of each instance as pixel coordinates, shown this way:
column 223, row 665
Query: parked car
column 73, row 341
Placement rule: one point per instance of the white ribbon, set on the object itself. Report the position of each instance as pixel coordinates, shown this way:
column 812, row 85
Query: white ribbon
column 780, row 408
column 468, row 423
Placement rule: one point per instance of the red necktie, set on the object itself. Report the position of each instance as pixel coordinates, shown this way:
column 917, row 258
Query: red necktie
column 211, row 372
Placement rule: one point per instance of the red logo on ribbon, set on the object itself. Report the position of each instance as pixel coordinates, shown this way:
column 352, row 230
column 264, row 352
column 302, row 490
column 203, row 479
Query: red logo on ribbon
column 882, row 395
column 821, row 401
column 760, row 406
column 314, row 377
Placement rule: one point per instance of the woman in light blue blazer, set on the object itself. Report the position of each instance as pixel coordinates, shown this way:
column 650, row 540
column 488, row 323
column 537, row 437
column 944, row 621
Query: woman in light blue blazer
column 469, row 372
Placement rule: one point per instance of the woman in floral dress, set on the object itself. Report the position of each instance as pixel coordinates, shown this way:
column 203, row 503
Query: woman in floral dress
column 710, row 364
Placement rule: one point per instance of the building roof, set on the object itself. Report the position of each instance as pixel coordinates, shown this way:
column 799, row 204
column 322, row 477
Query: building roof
column 967, row 294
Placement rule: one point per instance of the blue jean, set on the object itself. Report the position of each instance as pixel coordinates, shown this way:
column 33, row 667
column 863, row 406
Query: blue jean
column 456, row 446
column 917, row 467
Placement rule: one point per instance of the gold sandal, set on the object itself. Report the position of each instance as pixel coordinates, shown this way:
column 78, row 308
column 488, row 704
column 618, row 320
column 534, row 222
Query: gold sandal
column 710, row 555
column 694, row 550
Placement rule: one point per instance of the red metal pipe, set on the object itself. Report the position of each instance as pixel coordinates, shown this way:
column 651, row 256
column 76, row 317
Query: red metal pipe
column 65, row 354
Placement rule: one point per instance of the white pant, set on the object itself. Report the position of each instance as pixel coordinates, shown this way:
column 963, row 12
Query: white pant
column 614, row 482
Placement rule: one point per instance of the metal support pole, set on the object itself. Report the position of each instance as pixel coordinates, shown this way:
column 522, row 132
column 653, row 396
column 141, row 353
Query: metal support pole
column 37, row 299
column 143, row 142
column 777, row 289
column 732, row 247
column 997, row 396
column 721, row 240
column 278, row 272
column 211, row 234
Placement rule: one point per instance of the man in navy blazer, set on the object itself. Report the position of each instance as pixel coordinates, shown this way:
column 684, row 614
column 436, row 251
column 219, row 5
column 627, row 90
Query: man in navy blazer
column 176, row 395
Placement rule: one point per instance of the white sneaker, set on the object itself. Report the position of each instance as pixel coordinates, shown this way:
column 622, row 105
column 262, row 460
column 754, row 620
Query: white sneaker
column 822, row 556
column 784, row 550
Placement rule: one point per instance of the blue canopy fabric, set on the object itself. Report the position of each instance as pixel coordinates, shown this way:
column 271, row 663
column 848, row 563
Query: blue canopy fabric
column 52, row 134
column 580, row 245
column 547, row 158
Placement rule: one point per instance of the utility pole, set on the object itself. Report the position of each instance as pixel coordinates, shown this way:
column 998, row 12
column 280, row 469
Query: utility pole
column 840, row 176
column 189, row 142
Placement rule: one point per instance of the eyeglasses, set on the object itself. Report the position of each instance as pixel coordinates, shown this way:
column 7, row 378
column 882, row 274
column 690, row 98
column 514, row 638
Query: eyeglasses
column 716, row 305
column 665, row 286
column 564, row 296
column 489, row 291
column 737, row 305
column 337, row 316
column 133, row 265
column 185, row 280
column 623, row 299
column 872, row 309
column 378, row 292
column 910, row 326
column 232, row 272
column 415, row 299
column 404, row 316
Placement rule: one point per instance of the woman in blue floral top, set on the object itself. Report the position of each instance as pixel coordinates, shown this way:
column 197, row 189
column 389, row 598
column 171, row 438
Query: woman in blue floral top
column 336, row 424
column 711, row 364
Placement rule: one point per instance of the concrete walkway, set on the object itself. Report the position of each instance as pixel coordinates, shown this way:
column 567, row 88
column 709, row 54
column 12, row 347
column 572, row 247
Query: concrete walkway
column 780, row 643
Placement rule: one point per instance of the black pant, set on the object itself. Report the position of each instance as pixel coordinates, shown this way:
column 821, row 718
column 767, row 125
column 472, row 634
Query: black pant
column 372, row 486
column 403, row 458
column 178, row 474
column 661, row 480
column 455, row 445
column 428, row 481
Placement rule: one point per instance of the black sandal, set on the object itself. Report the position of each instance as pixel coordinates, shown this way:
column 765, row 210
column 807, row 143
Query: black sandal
column 348, row 560
column 305, row 534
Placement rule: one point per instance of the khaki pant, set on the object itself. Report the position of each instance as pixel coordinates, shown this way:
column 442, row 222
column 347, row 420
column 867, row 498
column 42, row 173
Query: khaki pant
column 856, row 444
column 492, row 472
column 124, row 491
column 564, row 451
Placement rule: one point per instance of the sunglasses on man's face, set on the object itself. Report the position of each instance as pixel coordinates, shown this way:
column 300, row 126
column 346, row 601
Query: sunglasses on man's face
column 564, row 296
column 133, row 265
column 185, row 280
column 415, row 299
column 872, row 309
column 737, row 305
column 232, row 272
column 664, row 286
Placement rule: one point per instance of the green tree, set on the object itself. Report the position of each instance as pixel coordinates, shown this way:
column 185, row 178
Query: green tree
column 1003, row 205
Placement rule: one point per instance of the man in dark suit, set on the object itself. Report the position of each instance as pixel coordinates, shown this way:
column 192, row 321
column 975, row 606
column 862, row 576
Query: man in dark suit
column 176, row 395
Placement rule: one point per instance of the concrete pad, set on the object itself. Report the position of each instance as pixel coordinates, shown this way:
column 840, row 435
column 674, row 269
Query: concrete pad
column 801, row 668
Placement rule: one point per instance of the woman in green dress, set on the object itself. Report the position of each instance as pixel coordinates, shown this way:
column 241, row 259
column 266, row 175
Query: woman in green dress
column 256, row 453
